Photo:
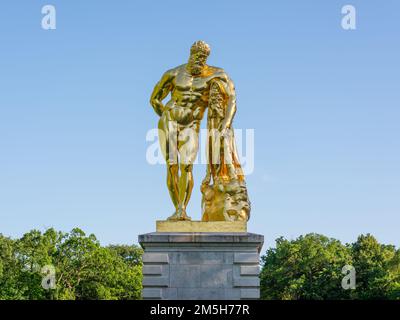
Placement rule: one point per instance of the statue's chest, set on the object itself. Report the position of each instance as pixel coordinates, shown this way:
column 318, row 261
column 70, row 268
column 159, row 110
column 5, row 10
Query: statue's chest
column 186, row 82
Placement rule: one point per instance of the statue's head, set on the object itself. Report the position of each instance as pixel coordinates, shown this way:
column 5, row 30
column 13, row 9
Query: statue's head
column 199, row 53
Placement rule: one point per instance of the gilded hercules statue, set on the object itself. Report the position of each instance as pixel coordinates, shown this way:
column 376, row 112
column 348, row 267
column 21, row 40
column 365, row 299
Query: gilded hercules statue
column 195, row 87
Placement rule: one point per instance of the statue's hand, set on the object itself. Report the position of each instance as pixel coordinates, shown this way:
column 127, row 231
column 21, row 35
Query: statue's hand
column 225, row 130
column 223, row 125
column 160, row 110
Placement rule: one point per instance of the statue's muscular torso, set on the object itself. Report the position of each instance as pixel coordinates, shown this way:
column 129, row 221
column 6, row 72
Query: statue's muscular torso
column 189, row 94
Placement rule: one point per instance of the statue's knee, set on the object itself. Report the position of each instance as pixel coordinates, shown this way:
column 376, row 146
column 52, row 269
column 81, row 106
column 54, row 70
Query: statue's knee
column 172, row 168
column 187, row 167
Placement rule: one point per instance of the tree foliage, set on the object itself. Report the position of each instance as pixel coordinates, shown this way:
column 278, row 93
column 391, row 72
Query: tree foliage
column 83, row 268
column 378, row 269
column 310, row 267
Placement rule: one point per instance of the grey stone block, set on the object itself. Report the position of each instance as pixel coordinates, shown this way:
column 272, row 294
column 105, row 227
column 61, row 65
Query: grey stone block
column 228, row 257
column 199, row 257
column 236, row 271
column 170, row 293
column 152, row 270
column 151, row 293
column 185, row 237
column 249, row 270
column 206, row 237
column 201, row 294
column 216, row 276
column 155, row 281
column 184, row 276
column 199, row 266
column 246, row 258
column 150, row 257
column 246, row 282
column 249, row 293
column 232, row 294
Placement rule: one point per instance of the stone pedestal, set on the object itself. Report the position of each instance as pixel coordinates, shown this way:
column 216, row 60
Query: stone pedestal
column 201, row 265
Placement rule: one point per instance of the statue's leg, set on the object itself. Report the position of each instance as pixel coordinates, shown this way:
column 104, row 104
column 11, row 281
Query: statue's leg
column 185, row 188
column 167, row 134
column 188, row 145
column 172, row 184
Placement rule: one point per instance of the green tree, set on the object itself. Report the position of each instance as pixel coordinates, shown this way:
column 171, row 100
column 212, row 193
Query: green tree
column 377, row 267
column 132, row 255
column 309, row 267
column 34, row 251
column 9, row 271
column 83, row 268
column 88, row 271
column 306, row 268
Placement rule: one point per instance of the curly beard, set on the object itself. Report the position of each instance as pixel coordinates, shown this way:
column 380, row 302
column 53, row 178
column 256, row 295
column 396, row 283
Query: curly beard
column 195, row 66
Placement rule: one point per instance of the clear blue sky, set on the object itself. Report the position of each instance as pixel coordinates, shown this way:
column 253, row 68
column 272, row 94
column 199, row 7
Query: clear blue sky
column 324, row 104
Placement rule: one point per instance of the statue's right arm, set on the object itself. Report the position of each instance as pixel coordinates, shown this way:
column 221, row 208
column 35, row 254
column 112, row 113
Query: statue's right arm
column 161, row 90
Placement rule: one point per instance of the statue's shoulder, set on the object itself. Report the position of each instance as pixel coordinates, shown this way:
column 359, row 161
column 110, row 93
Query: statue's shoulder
column 174, row 71
column 218, row 73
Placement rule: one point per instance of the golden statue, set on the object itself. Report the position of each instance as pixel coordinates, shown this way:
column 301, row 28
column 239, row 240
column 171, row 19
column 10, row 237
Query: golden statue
column 194, row 87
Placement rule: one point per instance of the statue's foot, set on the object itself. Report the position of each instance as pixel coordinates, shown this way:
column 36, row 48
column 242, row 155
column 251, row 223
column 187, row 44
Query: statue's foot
column 185, row 217
column 179, row 215
column 174, row 217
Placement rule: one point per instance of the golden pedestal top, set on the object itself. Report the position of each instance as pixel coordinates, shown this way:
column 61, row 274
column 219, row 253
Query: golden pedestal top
column 201, row 226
